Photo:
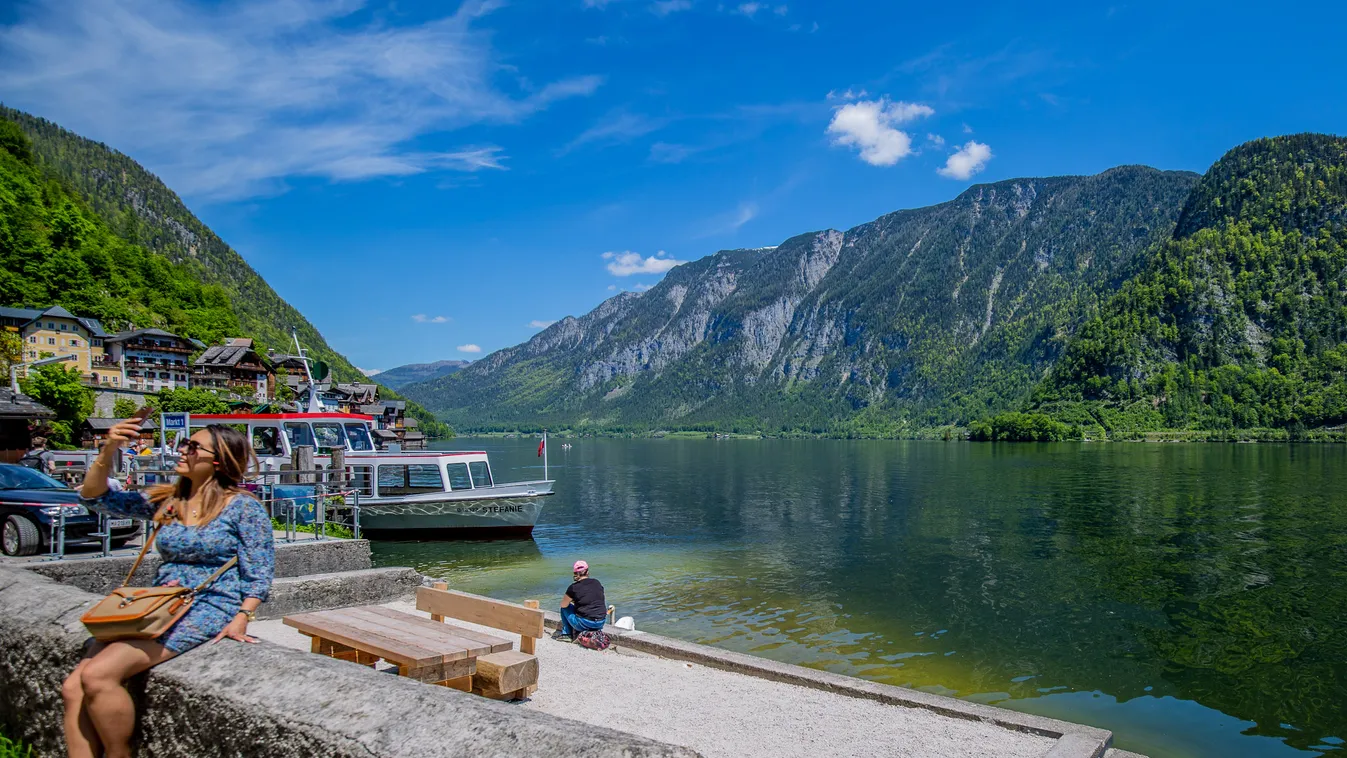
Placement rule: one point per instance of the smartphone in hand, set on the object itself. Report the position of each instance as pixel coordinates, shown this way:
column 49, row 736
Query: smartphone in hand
column 142, row 414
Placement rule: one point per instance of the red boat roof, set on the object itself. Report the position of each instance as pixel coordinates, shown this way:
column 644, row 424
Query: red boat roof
column 234, row 418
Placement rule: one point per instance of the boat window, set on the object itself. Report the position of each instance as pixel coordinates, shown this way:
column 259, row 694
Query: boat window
column 398, row 479
column 362, row 479
column 299, row 434
column 329, row 436
column 458, row 476
column 481, row 475
column 358, row 434
column 267, row 441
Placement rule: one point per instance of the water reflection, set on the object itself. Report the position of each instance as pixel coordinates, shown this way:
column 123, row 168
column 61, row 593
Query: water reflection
column 1098, row 583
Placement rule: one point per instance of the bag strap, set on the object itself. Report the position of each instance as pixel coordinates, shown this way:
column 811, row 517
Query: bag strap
column 144, row 549
column 229, row 564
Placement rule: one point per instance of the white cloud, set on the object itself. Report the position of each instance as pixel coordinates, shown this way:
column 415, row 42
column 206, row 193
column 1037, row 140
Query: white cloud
column 540, row 324
column 246, row 94
column 749, row 9
column 967, row 129
column 869, row 126
column 847, row 96
column 628, row 263
column 612, row 287
column 781, row 10
column 665, row 7
column 469, row 348
column 422, row 318
column 970, row 159
column 935, row 139
column 638, row 287
column 614, row 128
column 370, row 371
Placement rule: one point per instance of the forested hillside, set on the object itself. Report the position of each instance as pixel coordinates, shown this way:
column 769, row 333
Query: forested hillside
column 923, row 317
column 55, row 250
column 139, row 212
column 1240, row 320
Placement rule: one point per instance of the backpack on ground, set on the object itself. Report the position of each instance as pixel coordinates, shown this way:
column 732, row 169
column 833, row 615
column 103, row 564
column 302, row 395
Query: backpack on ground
column 594, row 640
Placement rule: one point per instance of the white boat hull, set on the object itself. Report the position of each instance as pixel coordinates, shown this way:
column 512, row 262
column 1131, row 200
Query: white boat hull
column 509, row 511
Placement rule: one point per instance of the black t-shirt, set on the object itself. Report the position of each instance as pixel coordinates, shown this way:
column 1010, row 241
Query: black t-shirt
column 587, row 596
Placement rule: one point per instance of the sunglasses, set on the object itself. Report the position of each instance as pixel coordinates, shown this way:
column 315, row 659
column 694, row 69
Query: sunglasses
column 195, row 448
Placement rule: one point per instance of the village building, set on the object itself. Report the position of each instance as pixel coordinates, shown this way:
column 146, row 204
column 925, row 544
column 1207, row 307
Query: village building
column 237, row 368
column 18, row 415
column 94, row 431
column 55, row 331
column 152, row 359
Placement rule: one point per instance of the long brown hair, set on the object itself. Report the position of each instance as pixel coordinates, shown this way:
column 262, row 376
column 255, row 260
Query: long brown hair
column 234, row 458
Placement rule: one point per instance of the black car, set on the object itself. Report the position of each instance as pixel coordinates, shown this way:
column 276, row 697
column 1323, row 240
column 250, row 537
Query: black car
column 30, row 507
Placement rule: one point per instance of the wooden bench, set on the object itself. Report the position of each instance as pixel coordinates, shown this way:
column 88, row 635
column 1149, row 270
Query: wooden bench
column 421, row 649
column 507, row 675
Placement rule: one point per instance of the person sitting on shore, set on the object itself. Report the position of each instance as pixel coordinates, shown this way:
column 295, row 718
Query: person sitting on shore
column 583, row 607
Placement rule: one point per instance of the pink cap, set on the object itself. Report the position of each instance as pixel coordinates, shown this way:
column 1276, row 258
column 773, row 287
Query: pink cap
column 580, row 566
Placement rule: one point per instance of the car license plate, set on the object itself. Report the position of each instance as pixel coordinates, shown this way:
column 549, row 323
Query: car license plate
column 120, row 523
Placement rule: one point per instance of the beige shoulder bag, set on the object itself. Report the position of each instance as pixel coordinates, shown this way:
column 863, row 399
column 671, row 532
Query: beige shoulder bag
column 143, row 613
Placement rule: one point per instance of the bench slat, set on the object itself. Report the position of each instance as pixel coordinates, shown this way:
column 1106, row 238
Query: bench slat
column 390, row 649
column 496, row 614
column 446, row 648
column 428, row 633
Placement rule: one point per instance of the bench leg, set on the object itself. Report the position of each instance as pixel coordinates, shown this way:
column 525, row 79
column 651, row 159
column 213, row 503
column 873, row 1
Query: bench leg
column 463, row 683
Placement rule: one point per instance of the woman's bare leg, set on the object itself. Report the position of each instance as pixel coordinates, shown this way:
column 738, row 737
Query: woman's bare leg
column 109, row 705
column 81, row 738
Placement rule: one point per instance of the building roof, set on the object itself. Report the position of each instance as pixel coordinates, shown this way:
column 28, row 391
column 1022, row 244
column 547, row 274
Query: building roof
column 413, row 436
column 374, row 409
column 384, row 434
column 24, row 314
column 410, row 423
column 18, row 405
column 104, row 424
column 228, row 355
column 94, row 326
column 400, row 405
column 123, row 336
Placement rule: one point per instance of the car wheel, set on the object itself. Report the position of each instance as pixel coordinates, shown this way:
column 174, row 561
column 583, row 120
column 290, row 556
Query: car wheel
column 19, row 536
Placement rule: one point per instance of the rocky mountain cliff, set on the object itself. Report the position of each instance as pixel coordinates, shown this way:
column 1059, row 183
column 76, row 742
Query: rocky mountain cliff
column 921, row 317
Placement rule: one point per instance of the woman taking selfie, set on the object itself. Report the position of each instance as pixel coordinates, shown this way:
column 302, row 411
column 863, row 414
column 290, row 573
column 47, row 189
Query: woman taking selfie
column 204, row 520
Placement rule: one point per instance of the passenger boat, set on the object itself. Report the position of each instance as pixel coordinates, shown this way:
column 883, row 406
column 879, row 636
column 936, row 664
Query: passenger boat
column 423, row 494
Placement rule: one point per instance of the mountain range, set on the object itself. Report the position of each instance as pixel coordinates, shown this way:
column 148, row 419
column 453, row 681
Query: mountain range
column 1077, row 297
column 401, row 376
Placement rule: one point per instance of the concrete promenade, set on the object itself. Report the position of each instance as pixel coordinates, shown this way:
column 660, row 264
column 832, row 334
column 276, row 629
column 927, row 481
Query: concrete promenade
column 719, row 712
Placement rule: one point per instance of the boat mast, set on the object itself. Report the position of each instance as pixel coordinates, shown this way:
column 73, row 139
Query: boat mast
column 314, row 406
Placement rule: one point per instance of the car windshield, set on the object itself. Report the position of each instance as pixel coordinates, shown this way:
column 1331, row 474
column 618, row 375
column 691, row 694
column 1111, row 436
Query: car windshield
column 24, row 478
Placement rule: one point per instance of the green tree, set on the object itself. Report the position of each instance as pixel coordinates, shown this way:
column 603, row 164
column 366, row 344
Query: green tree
column 123, row 407
column 182, row 400
column 60, row 389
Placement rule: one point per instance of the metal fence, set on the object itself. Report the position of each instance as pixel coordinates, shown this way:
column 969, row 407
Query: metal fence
column 316, row 501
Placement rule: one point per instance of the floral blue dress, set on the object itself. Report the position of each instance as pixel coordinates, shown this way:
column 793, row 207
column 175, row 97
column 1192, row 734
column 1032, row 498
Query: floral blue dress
column 192, row 553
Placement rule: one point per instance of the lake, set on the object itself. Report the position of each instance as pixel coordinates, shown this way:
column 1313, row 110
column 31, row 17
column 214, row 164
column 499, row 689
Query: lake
column 1190, row 597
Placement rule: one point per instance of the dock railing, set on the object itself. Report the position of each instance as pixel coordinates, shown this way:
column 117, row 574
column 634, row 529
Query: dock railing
column 330, row 498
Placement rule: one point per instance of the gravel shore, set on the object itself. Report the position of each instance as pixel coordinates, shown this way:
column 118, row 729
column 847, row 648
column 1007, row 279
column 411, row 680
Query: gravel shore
column 719, row 713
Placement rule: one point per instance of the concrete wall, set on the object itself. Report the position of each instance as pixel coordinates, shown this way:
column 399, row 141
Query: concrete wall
column 319, row 592
column 233, row 699
column 102, row 575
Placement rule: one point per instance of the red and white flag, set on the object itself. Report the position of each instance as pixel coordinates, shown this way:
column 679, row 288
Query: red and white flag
column 541, row 444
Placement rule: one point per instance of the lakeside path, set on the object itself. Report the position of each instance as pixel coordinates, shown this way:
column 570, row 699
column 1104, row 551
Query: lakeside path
column 720, row 713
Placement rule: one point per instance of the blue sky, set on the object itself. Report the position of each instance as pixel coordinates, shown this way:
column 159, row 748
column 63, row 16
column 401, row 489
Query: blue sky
column 423, row 179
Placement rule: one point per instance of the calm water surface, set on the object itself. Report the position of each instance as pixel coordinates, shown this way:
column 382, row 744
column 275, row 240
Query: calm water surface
column 1192, row 598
